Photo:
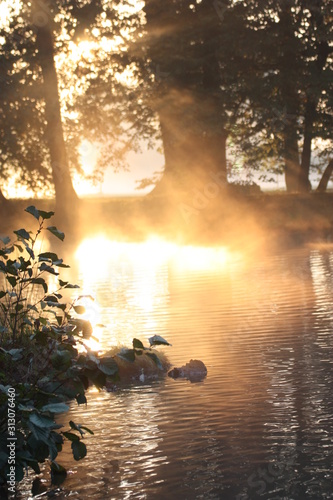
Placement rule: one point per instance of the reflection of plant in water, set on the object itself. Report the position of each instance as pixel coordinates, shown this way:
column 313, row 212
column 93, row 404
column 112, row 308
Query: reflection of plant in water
column 45, row 360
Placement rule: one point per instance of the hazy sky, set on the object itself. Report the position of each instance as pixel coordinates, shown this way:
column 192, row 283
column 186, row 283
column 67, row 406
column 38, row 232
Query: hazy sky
column 122, row 182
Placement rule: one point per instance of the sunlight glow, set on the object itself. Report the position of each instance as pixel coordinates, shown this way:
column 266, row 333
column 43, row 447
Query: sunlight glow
column 135, row 278
column 12, row 188
column 152, row 252
column 193, row 258
column 7, row 10
column 88, row 158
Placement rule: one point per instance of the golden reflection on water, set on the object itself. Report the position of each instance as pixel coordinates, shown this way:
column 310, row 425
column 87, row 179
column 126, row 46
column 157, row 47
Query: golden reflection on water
column 263, row 328
column 134, row 278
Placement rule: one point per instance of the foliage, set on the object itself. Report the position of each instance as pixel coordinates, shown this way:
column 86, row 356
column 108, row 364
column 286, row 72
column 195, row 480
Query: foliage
column 286, row 54
column 44, row 355
column 100, row 107
column 190, row 73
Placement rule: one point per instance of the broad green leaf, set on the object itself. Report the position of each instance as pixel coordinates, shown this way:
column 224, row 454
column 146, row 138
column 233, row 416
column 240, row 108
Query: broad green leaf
column 4, row 388
column 81, row 399
column 79, row 450
column 16, row 245
column 48, row 269
column 33, row 211
column 16, row 354
column 156, row 359
column 45, row 215
column 33, row 464
column 32, row 307
column 48, row 256
column 61, row 360
column 76, row 427
column 158, row 340
column 40, row 281
column 137, row 344
column 12, row 280
column 51, row 298
column 82, row 326
column 43, row 422
column 57, row 467
column 58, row 473
column 30, row 252
column 40, row 433
column 22, row 233
column 58, row 234
column 127, row 354
column 2, row 294
column 41, row 338
column 71, row 436
column 5, row 240
column 39, row 449
column 72, row 388
column 60, row 263
column 96, row 377
column 65, row 284
column 86, row 429
column 69, row 285
column 108, row 366
column 55, row 408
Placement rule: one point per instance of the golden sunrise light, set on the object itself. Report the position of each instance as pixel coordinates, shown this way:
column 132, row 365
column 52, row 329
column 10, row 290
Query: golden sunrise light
column 166, row 249
column 139, row 272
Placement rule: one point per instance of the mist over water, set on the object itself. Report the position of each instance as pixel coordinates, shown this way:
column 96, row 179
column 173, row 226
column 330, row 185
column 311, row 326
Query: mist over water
column 260, row 424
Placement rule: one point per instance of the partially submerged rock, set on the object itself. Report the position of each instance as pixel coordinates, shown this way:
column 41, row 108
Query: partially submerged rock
column 195, row 370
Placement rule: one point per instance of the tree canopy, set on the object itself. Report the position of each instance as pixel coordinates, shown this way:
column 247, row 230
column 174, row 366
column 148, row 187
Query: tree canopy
column 208, row 78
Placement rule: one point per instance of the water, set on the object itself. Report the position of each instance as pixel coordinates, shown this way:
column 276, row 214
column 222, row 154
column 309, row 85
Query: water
column 260, row 424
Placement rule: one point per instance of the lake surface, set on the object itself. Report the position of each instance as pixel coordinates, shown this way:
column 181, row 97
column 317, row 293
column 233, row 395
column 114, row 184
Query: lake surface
column 260, row 424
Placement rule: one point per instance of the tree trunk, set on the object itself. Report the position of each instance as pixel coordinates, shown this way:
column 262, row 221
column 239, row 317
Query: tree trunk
column 65, row 194
column 323, row 50
column 322, row 186
column 194, row 153
column 188, row 90
column 289, row 97
column 310, row 112
column 291, row 159
column 2, row 198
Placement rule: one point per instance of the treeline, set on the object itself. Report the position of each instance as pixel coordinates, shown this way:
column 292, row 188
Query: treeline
column 207, row 78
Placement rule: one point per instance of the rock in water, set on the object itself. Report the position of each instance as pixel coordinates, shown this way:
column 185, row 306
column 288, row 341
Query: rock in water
column 194, row 371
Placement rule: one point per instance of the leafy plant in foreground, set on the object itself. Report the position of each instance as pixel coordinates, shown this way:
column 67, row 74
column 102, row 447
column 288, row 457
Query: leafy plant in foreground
column 39, row 354
column 44, row 357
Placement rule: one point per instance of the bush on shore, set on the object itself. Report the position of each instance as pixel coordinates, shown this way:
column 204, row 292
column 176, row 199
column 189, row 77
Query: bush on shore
column 44, row 358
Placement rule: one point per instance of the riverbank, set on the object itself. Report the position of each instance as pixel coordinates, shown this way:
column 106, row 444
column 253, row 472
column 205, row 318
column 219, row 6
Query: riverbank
column 264, row 219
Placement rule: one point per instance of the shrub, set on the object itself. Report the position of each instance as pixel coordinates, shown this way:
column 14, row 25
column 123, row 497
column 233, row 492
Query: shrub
column 44, row 358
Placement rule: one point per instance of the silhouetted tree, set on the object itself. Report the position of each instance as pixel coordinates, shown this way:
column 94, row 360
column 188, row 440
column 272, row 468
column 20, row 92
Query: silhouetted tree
column 181, row 47
column 65, row 193
column 322, row 186
column 289, row 92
